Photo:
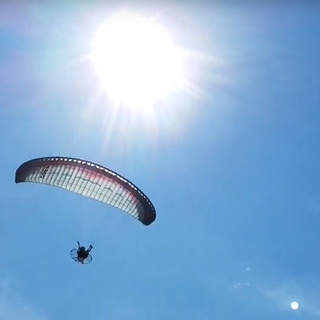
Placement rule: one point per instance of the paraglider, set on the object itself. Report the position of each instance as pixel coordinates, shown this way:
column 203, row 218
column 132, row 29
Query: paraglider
column 81, row 254
column 91, row 180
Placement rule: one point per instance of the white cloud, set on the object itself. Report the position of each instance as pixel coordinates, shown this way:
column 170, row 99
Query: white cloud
column 270, row 283
column 307, row 297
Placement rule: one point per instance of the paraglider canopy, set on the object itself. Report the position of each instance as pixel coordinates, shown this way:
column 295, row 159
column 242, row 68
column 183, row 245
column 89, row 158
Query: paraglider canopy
column 91, row 180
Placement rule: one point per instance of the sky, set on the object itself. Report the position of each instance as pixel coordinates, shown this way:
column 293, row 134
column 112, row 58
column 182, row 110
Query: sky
column 230, row 161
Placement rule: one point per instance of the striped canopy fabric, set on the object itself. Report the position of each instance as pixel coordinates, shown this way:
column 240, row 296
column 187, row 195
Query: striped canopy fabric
column 90, row 180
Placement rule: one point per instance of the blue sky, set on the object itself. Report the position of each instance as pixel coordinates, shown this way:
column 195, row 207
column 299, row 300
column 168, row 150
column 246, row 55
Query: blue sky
column 232, row 169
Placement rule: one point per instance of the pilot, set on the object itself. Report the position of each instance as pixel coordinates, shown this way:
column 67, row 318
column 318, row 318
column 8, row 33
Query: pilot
column 82, row 253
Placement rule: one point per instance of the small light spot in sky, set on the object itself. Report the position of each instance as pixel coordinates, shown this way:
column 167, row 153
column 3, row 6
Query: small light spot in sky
column 243, row 284
column 294, row 305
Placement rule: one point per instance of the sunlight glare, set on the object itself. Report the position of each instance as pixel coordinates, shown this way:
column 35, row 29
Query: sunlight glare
column 294, row 305
column 136, row 60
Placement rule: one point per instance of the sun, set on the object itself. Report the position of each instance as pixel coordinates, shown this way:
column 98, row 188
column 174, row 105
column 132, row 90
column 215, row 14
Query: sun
column 136, row 60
